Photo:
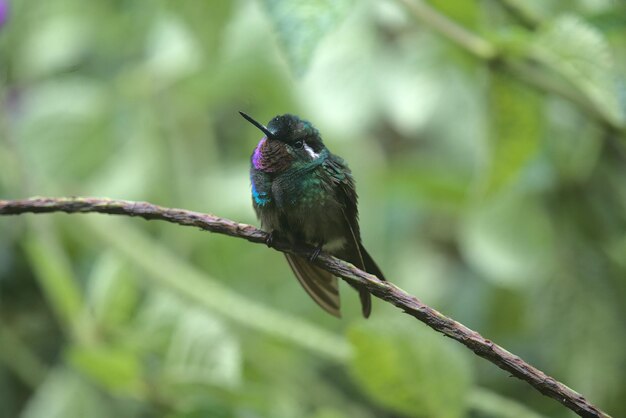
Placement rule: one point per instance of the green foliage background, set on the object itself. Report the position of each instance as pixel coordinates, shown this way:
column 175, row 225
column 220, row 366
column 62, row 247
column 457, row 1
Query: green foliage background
column 492, row 184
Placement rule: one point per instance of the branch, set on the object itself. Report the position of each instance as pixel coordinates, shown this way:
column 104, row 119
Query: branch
column 383, row 290
column 473, row 43
column 524, row 14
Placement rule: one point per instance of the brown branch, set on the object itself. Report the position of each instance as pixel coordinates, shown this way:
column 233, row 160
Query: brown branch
column 383, row 290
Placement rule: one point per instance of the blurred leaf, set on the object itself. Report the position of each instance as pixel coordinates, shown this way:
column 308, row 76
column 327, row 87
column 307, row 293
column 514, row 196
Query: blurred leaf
column 205, row 409
column 20, row 358
column 347, row 71
column 301, row 25
column 55, row 276
column 64, row 395
column 611, row 21
column 574, row 143
column 156, row 319
column 115, row 368
column 112, row 292
column 464, row 12
column 131, row 172
column 529, row 11
column 440, row 187
column 202, row 350
column 492, row 405
column 69, row 97
column 172, row 51
column 9, row 175
column 63, row 120
column 56, row 43
column 581, row 283
column 617, row 251
column 581, row 54
column 516, row 119
column 207, row 20
column 329, row 413
column 509, row 240
column 411, row 98
column 411, row 370
column 186, row 280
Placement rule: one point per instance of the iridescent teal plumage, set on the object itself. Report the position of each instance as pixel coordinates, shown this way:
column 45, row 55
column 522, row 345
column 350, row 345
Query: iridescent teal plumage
column 305, row 194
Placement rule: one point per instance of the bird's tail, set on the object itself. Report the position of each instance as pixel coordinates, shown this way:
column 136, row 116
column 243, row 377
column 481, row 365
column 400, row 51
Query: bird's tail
column 370, row 267
column 321, row 285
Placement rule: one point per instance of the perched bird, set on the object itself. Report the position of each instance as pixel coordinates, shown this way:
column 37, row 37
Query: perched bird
column 304, row 194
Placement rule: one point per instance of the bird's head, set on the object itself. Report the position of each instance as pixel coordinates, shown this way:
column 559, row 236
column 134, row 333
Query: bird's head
column 288, row 140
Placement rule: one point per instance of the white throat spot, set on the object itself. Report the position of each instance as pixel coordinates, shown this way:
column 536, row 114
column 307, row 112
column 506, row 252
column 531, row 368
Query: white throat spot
column 310, row 151
column 335, row 244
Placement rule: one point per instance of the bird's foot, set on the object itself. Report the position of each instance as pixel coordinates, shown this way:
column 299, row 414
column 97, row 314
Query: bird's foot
column 316, row 252
column 272, row 237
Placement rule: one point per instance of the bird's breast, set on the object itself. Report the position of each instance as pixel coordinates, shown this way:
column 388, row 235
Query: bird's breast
column 306, row 209
column 271, row 157
column 302, row 188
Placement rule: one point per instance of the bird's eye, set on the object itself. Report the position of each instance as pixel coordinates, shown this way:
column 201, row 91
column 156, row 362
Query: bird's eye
column 298, row 144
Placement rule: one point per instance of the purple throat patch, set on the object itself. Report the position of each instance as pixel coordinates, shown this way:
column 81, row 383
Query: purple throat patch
column 4, row 11
column 258, row 155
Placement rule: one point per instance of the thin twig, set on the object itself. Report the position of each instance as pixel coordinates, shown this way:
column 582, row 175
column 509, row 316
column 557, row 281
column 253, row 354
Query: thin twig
column 456, row 33
column 383, row 290
column 523, row 12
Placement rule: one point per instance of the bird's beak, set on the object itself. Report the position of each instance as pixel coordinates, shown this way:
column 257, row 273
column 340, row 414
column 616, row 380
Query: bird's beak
column 260, row 126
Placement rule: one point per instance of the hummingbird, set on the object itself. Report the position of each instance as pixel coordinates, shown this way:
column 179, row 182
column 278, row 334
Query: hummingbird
column 304, row 194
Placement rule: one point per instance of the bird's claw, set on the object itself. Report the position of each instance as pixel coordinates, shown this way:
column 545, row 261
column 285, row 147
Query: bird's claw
column 271, row 239
column 316, row 252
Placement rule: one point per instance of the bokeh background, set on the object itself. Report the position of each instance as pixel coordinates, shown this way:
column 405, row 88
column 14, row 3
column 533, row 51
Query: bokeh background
column 488, row 143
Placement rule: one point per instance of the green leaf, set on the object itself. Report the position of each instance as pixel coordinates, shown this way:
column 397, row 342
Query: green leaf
column 464, row 12
column 580, row 53
column 54, row 274
column 207, row 407
column 117, row 369
column 509, row 240
column 413, row 371
column 206, row 20
column 301, row 25
column 173, row 53
column 516, row 129
column 327, row 412
column 574, row 143
column 57, row 44
column 189, row 282
column 491, row 404
column 63, row 118
column 64, row 394
column 202, row 350
column 112, row 291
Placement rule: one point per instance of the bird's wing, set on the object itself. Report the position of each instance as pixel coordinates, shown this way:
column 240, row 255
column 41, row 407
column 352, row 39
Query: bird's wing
column 346, row 193
column 321, row 285
column 345, row 189
column 343, row 186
